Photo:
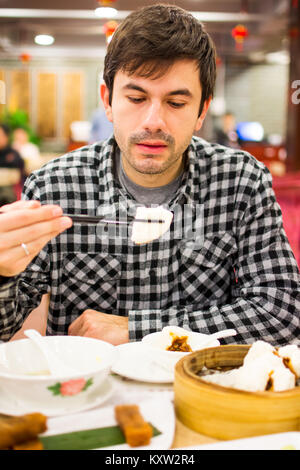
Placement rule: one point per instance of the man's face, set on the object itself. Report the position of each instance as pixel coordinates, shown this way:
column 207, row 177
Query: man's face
column 154, row 120
column 20, row 136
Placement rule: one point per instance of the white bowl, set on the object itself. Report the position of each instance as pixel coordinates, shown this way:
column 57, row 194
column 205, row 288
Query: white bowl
column 24, row 374
column 157, row 343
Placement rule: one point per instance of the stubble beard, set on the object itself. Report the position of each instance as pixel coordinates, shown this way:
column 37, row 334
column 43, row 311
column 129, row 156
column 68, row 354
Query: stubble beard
column 150, row 164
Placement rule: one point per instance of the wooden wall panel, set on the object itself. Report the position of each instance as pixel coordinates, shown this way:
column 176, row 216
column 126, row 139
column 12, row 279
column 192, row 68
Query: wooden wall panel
column 47, row 104
column 53, row 99
column 72, row 86
column 19, row 97
column 3, row 92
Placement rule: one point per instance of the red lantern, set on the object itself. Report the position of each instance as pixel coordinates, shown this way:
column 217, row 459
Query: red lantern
column 25, row 58
column 239, row 34
column 109, row 28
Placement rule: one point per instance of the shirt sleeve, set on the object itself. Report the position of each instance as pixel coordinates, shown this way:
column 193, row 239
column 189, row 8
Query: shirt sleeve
column 21, row 294
column 7, row 307
column 265, row 299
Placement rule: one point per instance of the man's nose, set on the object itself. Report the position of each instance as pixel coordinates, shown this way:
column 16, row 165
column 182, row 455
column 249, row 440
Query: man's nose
column 154, row 117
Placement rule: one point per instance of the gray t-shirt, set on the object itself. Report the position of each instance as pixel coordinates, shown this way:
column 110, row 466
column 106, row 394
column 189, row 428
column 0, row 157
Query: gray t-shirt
column 144, row 195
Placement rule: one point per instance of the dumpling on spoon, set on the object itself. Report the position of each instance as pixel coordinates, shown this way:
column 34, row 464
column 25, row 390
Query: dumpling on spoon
column 145, row 232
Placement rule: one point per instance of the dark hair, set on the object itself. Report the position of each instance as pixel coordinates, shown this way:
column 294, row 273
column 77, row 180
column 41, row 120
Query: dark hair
column 152, row 38
column 5, row 129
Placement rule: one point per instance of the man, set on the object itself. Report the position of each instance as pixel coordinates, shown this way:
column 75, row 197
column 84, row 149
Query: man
column 11, row 168
column 227, row 135
column 101, row 127
column 226, row 261
column 29, row 151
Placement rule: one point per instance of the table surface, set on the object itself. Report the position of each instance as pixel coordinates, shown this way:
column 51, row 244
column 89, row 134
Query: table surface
column 185, row 437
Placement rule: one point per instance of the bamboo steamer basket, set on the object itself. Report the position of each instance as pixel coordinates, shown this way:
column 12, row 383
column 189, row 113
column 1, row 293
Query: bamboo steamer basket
column 227, row 413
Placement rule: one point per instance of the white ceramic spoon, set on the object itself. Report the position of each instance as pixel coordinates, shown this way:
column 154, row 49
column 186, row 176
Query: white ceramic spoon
column 202, row 345
column 218, row 335
column 55, row 364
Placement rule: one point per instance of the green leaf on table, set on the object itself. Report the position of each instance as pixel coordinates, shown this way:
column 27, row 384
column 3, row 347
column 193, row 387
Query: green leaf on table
column 87, row 439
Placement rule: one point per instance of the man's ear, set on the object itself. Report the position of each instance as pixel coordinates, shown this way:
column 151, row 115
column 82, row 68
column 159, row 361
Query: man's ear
column 203, row 114
column 104, row 93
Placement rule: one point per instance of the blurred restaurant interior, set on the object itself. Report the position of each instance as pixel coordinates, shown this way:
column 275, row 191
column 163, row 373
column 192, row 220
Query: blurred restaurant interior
column 51, row 62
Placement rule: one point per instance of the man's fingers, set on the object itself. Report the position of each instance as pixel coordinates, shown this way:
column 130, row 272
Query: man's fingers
column 34, row 233
column 30, row 224
column 14, row 257
column 81, row 324
column 17, row 252
column 13, row 219
column 15, row 260
column 20, row 205
column 94, row 324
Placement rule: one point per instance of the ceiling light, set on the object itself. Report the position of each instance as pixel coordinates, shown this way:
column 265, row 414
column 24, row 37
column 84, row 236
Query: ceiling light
column 44, row 40
column 106, row 12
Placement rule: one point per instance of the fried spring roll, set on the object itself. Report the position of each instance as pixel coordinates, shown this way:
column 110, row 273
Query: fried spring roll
column 136, row 430
column 17, row 429
column 29, row 445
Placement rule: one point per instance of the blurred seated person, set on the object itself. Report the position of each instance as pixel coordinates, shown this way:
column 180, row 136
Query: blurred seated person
column 28, row 151
column 227, row 135
column 101, row 128
column 11, row 169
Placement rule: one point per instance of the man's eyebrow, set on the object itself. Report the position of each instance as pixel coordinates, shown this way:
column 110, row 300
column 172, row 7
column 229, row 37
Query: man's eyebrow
column 180, row 91
column 132, row 86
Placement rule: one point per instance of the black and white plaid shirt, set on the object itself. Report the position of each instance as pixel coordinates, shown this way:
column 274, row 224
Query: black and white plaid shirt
column 225, row 263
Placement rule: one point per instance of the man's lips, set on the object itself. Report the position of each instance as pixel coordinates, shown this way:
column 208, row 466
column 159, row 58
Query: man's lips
column 152, row 146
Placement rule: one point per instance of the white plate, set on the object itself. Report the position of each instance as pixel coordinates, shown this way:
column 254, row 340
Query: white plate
column 280, row 441
column 159, row 414
column 135, row 363
column 10, row 405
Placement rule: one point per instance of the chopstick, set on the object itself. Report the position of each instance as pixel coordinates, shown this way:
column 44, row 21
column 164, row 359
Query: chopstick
column 95, row 219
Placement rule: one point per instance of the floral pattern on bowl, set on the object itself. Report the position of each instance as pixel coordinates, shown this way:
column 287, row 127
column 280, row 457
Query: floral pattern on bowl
column 71, row 387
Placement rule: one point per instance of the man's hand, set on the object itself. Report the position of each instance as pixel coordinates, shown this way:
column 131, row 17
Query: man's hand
column 108, row 327
column 31, row 224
